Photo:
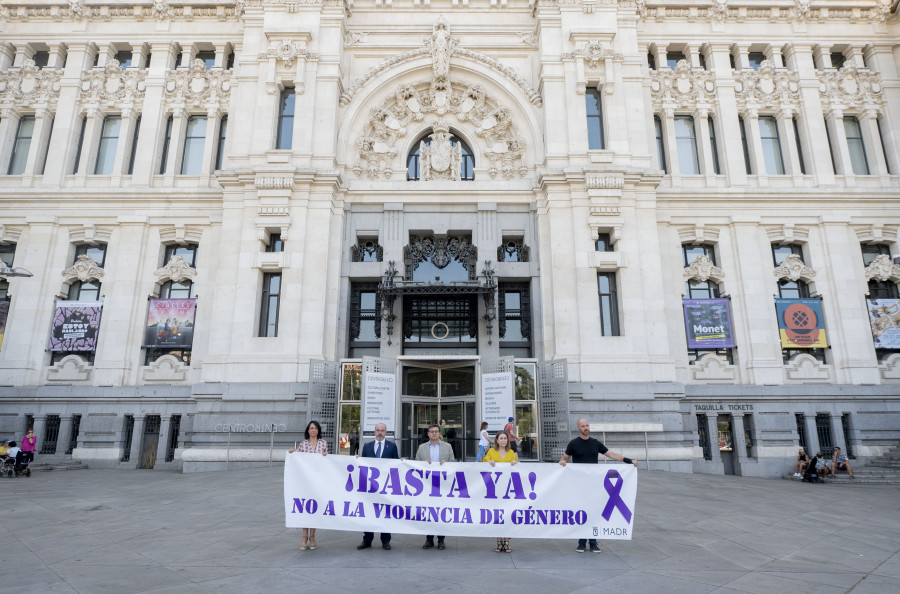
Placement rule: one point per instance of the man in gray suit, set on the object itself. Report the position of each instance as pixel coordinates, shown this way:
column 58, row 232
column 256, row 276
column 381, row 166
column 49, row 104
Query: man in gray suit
column 435, row 451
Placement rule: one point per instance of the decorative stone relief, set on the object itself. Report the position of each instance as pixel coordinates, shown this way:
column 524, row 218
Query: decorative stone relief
column 793, row 269
column 113, row 86
column 440, row 159
column 167, row 368
column 702, row 269
column 70, row 368
column 84, row 270
column 851, row 88
column 698, row 233
column 176, row 270
column 527, row 37
column 787, row 233
column 805, row 368
column 604, row 182
column 711, row 368
column 440, row 251
column 719, row 10
column 287, row 51
column 883, row 269
column 593, row 54
column 890, row 368
column 78, row 9
column 355, row 38
column 161, row 10
column 29, row 86
column 198, row 87
column 441, row 46
column 10, row 233
column 801, row 12
column 181, row 234
column 682, row 88
column 767, row 88
column 388, row 124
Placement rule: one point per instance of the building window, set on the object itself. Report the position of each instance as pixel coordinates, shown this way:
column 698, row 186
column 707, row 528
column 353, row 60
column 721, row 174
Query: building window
column 838, row 60
column 799, row 146
column 229, row 61
column 271, row 297
column 124, row 58
column 275, row 243
column 660, row 144
column 744, row 145
column 870, row 251
column 220, row 145
column 21, row 146
column 187, row 252
column 755, row 59
column 714, row 146
column 771, row 145
column 703, row 434
column 702, row 58
column 467, row 164
column 886, row 289
column 594, row 105
column 651, row 61
column 166, row 141
column 604, row 243
column 134, row 144
column 96, row 252
column 106, row 150
column 609, row 308
column 41, row 58
column 512, row 250
column 209, row 58
column 366, row 250
column 672, row 59
column 285, row 119
column 686, row 141
column 515, row 319
column 365, row 320
column 194, row 139
column 697, row 289
column 173, row 290
column 856, row 146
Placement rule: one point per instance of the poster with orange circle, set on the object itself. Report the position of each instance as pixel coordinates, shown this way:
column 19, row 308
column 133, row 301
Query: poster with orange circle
column 801, row 324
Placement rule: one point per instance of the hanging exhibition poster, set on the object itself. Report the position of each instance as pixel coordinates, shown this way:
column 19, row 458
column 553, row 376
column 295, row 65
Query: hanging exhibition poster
column 800, row 323
column 170, row 323
column 708, row 324
column 76, row 325
column 884, row 316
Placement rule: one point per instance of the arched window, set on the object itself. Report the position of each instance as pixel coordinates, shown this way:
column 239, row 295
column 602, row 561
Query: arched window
column 467, row 166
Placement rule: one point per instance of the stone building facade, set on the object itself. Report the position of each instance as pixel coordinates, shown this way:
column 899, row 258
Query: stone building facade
column 442, row 190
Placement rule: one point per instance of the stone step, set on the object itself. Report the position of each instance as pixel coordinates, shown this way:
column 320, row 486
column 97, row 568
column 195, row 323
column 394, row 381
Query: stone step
column 857, row 479
column 76, row 465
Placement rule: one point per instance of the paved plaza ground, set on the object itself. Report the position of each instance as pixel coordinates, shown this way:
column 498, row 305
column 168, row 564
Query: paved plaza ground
column 149, row 531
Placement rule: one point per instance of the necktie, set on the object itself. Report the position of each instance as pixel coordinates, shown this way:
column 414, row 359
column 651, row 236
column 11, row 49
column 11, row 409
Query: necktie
column 378, row 451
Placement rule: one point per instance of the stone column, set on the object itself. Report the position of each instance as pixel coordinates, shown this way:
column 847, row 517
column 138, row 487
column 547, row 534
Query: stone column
column 40, row 428
column 812, row 125
column 670, row 145
column 23, row 52
column 729, row 139
column 837, row 432
column 137, row 437
column 785, row 119
column 704, row 145
column 89, row 145
column 737, row 436
column 7, row 55
column 812, row 436
column 712, row 429
column 773, row 52
column 823, row 56
column 213, row 120
column 743, row 57
column 162, row 446
column 754, row 145
column 221, row 53
column 868, row 124
column 57, row 54
column 43, row 122
column 176, row 146
column 65, row 434
column 693, row 56
column 659, row 54
column 835, row 122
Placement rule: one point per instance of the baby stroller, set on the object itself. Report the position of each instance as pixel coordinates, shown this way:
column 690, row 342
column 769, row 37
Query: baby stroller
column 8, row 467
column 22, row 465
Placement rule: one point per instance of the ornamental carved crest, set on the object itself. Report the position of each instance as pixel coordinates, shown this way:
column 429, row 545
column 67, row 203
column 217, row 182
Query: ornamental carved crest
column 288, row 51
column 702, row 269
column 767, row 87
column 29, row 86
column 198, row 87
column 112, row 86
column 440, row 159
column 850, row 87
column 683, row 87
column 883, row 269
column 176, row 270
column 594, row 53
column 84, row 270
column 793, row 269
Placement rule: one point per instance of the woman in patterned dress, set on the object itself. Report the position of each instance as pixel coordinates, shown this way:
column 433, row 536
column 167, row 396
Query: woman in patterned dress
column 314, row 444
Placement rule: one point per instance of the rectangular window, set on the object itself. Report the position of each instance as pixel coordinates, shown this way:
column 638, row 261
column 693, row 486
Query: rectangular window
column 838, row 60
column 220, row 145
column 275, row 244
column 686, row 141
column 594, row 107
column 744, row 144
column 187, row 252
column 209, row 58
column 285, row 119
column 714, row 146
column 194, row 138
column 41, row 58
column 166, row 141
column 515, row 319
column 887, row 161
column 771, row 145
column 609, row 309
column 7, row 254
column 702, row 57
column 799, row 146
column 755, row 59
column 781, row 252
column 660, row 146
column 651, row 61
column 801, row 430
column 856, row 146
column 134, row 144
column 365, row 319
column 80, row 146
column 21, row 146
column 604, row 244
column 124, row 58
column 271, row 296
column 870, row 251
column 106, row 150
column 672, row 59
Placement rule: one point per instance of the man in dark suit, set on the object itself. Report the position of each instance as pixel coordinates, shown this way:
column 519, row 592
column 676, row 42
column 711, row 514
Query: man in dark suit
column 380, row 448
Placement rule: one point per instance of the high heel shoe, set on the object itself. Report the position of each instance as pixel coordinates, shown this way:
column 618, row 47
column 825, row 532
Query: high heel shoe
column 312, row 544
column 303, row 545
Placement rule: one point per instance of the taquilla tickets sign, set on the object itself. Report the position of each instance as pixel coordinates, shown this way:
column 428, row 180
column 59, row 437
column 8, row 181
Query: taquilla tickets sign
column 460, row 499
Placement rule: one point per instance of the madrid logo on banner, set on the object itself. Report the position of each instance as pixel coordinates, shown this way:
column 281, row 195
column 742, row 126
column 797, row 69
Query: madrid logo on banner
column 884, row 316
column 170, row 323
column 76, row 325
column 708, row 324
column 460, row 499
column 800, row 323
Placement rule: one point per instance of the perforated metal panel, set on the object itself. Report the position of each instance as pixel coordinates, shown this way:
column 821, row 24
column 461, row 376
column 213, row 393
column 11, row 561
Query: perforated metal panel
column 553, row 404
column 501, row 365
column 323, row 398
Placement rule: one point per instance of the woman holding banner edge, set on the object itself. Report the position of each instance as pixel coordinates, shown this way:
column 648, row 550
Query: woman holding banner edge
column 501, row 452
column 314, row 444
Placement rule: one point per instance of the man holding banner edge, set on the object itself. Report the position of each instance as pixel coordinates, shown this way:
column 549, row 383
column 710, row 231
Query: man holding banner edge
column 584, row 449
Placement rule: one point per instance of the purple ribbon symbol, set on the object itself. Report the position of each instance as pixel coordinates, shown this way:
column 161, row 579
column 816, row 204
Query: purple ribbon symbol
column 615, row 501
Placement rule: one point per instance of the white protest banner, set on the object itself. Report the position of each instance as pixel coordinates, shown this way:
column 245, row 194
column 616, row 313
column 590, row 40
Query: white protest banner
column 460, row 499
column 379, row 397
column 496, row 399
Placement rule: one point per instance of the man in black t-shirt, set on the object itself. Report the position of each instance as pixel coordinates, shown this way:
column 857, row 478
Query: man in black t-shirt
column 584, row 449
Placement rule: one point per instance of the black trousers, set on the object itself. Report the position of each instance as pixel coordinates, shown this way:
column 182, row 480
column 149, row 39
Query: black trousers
column 430, row 538
column 370, row 536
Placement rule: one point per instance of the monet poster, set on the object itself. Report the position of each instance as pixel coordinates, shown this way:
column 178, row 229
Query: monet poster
column 76, row 325
column 708, row 324
column 170, row 323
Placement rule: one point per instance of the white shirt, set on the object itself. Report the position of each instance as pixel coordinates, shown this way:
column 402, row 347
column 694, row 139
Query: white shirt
column 485, row 439
column 377, row 442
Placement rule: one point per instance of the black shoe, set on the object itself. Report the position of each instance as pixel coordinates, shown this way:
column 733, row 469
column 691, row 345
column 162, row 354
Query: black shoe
column 429, row 544
column 579, row 548
column 386, row 546
column 595, row 548
column 441, row 545
column 364, row 545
